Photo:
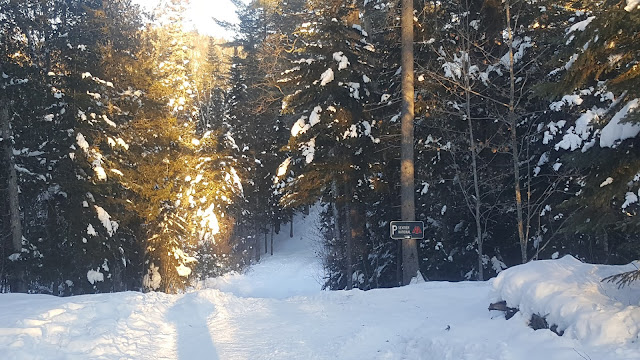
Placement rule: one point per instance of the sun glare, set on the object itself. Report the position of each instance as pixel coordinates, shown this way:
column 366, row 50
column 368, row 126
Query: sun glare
column 200, row 15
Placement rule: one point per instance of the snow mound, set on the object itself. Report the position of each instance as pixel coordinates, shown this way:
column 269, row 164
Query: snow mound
column 571, row 294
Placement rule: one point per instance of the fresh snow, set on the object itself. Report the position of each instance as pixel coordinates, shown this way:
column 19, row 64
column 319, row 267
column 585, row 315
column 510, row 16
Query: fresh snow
column 98, row 169
column 282, row 169
column 300, row 127
column 425, row 188
column 326, row 77
column 294, row 270
column 277, row 310
column 606, row 182
column 580, row 26
column 82, row 142
column 630, row 198
column 617, row 130
column 105, row 219
column 236, row 180
column 309, row 150
column 209, row 222
column 566, row 66
column 520, row 45
column 576, row 136
column 108, row 121
column 314, row 118
column 632, row 5
column 343, row 61
column 572, row 296
column 94, row 276
column 183, row 270
column 566, row 100
column 91, row 231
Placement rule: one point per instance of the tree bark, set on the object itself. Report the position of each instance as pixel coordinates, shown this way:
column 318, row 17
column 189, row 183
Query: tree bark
column 399, row 265
column 477, row 204
column 474, row 165
column 349, row 234
column 334, row 209
column 257, row 229
column 605, row 245
column 291, row 228
column 19, row 283
column 257, row 245
column 513, row 123
column 409, row 246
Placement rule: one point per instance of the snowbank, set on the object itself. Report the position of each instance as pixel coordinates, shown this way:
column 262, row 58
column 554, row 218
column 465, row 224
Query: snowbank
column 571, row 295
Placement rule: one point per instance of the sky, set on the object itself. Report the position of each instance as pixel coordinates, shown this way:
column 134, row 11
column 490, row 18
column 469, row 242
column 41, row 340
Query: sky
column 200, row 15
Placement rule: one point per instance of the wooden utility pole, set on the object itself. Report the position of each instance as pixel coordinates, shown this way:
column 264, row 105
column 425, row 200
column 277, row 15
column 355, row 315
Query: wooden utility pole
column 408, row 208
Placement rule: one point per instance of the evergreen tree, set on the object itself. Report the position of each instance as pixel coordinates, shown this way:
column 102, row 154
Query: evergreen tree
column 332, row 134
column 63, row 100
column 591, row 81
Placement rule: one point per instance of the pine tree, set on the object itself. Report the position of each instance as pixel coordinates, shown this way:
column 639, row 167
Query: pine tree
column 255, row 125
column 332, row 135
column 179, row 172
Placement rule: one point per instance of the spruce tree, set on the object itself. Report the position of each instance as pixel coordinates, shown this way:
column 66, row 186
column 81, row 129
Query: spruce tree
column 332, row 134
column 592, row 85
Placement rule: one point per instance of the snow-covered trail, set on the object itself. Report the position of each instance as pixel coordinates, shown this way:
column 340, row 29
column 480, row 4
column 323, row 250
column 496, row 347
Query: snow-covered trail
column 293, row 270
column 277, row 311
column 427, row 321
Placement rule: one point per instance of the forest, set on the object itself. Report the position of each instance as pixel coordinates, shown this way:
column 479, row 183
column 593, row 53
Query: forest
column 137, row 155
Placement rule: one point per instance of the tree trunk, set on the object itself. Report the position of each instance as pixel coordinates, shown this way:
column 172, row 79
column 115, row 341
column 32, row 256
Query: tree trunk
column 18, row 284
column 476, row 187
column 349, row 234
column 399, row 265
column 257, row 226
column 257, row 245
column 266, row 248
column 605, row 245
column 291, row 228
column 409, row 247
column 518, row 193
column 474, row 164
column 334, row 209
column 271, row 240
column 513, row 123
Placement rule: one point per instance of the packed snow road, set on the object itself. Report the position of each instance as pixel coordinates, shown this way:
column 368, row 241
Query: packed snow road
column 277, row 311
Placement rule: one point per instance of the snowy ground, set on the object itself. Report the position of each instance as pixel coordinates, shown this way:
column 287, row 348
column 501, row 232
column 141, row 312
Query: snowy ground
column 277, row 311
